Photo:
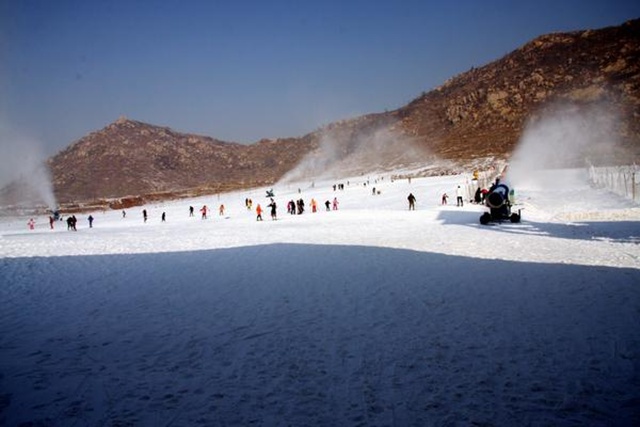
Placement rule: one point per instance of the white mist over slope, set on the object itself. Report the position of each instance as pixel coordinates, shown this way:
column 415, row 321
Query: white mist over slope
column 340, row 155
column 563, row 136
column 23, row 161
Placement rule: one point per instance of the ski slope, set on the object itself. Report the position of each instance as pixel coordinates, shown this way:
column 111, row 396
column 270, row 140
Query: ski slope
column 369, row 315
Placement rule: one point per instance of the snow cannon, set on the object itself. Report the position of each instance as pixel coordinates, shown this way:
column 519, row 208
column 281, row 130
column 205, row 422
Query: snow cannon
column 498, row 197
column 497, row 200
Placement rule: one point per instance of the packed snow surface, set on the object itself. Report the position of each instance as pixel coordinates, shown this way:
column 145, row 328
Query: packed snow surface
column 369, row 315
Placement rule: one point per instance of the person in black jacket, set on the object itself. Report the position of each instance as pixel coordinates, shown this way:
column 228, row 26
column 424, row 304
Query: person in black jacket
column 412, row 202
column 272, row 205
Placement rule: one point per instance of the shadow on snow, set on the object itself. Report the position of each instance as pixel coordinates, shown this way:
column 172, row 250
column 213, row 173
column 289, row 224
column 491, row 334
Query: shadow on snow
column 618, row 231
column 316, row 335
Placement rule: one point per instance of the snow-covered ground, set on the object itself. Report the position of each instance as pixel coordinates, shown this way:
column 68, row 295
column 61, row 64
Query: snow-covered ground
column 370, row 315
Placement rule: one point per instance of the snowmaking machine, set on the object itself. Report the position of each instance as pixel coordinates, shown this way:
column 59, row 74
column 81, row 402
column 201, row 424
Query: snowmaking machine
column 499, row 204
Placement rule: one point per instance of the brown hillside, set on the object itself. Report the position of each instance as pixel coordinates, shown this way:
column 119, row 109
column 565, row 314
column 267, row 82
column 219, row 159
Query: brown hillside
column 134, row 158
column 479, row 113
column 483, row 112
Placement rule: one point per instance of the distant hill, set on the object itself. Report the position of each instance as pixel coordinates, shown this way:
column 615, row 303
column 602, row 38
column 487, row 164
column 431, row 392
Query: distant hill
column 130, row 158
column 478, row 114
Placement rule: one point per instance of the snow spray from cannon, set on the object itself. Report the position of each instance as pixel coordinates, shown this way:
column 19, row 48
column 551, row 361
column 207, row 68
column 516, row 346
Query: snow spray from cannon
column 342, row 153
column 23, row 166
column 563, row 136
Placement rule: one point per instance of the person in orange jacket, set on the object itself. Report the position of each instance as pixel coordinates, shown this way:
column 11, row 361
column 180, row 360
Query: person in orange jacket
column 259, row 212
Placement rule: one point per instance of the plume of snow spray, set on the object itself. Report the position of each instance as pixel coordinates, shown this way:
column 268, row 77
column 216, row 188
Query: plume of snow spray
column 342, row 154
column 23, row 164
column 564, row 136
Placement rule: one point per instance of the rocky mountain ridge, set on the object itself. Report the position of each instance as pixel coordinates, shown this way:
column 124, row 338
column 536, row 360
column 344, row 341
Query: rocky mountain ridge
column 484, row 111
column 479, row 114
column 131, row 158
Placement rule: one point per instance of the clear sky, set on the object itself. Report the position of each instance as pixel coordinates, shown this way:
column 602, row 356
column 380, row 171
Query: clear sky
column 241, row 70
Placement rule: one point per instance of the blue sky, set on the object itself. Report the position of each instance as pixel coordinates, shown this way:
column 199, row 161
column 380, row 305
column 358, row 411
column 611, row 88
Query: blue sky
column 245, row 70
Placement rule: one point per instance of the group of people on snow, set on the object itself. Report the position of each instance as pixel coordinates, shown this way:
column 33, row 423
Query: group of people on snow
column 71, row 223
column 478, row 197
column 294, row 207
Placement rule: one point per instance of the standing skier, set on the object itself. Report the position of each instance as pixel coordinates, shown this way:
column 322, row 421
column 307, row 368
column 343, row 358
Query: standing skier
column 412, row 202
column 274, row 213
column 90, row 221
column 459, row 194
column 477, row 198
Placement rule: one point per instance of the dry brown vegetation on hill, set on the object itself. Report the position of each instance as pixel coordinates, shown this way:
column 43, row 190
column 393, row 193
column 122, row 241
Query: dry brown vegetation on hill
column 479, row 113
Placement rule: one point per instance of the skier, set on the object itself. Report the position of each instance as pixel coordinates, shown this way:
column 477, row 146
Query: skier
column 272, row 205
column 259, row 212
column 478, row 196
column 459, row 194
column 204, row 210
column 71, row 223
column 335, row 203
column 144, row 215
column 328, row 205
column 190, row 210
column 51, row 221
column 164, row 217
column 412, row 202
column 90, row 221
column 124, row 214
column 314, row 206
column 221, row 210
column 32, row 224
column 445, row 196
